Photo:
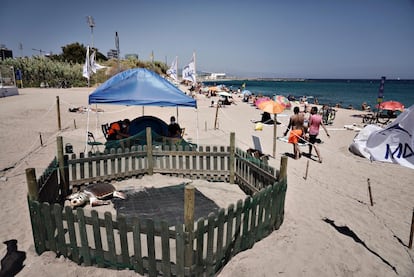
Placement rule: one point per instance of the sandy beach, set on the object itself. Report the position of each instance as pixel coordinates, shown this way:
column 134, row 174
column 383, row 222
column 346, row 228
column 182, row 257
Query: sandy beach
column 329, row 229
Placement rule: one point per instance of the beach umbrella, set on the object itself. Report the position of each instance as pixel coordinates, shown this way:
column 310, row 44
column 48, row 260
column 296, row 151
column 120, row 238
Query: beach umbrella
column 246, row 92
column 272, row 107
column 260, row 100
column 283, row 100
column 224, row 93
column 213, row 88
column 391, row 106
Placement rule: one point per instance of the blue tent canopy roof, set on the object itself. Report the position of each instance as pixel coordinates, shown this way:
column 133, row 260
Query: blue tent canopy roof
column 140, row 87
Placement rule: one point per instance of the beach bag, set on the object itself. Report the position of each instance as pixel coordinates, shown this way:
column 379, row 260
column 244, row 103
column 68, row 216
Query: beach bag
column 258, row 126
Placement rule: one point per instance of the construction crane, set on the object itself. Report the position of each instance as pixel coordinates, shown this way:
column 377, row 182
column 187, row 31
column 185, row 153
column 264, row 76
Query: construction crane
column 39, row 50
column 42, row 52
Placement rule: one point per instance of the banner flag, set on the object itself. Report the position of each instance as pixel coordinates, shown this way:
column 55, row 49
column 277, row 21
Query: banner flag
column 173, row 70
column 189, row 71
column 381, row 90
column 86, row 67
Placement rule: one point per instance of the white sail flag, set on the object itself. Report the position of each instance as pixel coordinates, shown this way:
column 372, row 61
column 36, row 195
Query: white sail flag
column 93, row 64
column 173, row 70
column 87, row 65
column 189, row 71
column 90, row 65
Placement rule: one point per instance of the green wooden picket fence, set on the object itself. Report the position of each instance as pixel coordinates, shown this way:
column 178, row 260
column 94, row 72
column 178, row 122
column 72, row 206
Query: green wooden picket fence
column 149, row 247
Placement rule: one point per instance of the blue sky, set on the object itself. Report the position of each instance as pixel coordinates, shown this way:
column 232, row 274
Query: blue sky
column 296, row 38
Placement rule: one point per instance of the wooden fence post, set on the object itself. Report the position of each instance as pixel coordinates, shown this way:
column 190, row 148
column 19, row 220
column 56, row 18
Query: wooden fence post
column 64, row 183
column 58, row 113
column 189, row 224
column 232, row 156
column 149, row 151
column 283, row 168
column 33, row 191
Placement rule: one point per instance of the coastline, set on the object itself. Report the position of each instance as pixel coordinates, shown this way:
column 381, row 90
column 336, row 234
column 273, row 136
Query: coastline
column 305, row 245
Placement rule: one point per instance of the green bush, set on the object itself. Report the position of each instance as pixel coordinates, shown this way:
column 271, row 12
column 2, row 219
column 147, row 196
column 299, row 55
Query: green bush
column 43, row 71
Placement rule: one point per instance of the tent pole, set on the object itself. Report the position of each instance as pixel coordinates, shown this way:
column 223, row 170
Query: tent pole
column 87, row 129
column 97, row 119
column 177, row 113
column 274, row 135
column 197, row 136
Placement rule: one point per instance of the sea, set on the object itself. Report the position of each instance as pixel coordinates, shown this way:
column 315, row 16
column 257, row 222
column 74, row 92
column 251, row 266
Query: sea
column 332, row 92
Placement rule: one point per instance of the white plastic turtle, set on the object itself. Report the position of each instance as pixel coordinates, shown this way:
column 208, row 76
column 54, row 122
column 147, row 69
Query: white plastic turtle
column 96, row 194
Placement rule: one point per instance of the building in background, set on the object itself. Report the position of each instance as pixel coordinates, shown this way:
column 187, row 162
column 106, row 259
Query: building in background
column 131, row 56
column 112, row 54
column 5, row 53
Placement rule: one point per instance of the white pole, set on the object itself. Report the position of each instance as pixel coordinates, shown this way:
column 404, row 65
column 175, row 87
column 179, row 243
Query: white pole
column 197, row 136
column 195, row 69
column 87, row 129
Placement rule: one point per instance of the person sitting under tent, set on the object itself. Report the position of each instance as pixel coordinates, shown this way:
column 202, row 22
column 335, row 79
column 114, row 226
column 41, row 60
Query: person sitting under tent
column 118, row 130
column 174, row 129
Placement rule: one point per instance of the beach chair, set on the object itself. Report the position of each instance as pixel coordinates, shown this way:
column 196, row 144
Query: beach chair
column 93, row 143
column 257, row 152
column 378, row 117
column 257, row 144
column 105, row 128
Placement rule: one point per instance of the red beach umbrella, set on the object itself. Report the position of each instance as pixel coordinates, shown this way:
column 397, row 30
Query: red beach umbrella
column 391, row 106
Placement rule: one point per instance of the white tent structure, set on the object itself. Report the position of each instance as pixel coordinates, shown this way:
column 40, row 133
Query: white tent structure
column 394, row 144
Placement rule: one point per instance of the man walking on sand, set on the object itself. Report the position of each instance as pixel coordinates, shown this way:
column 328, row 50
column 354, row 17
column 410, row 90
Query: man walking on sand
column 296, row 130
column 315, row 121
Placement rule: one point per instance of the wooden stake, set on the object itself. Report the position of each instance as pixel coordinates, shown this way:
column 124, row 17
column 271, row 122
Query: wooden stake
column 274, row 135
column 232, row 157
column 410, row 244
column 205, row 125
column 215, row 120
column 74, row 123
column 41, row 141
column 58, row 113
column 283, row 168
column 369, row 191
column 63, row 170
column 189, row 201
column 149, row 151
column 306, row 172
column 33, row 191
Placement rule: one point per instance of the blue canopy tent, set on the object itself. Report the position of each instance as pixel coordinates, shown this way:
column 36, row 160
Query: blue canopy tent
column 140, row 87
